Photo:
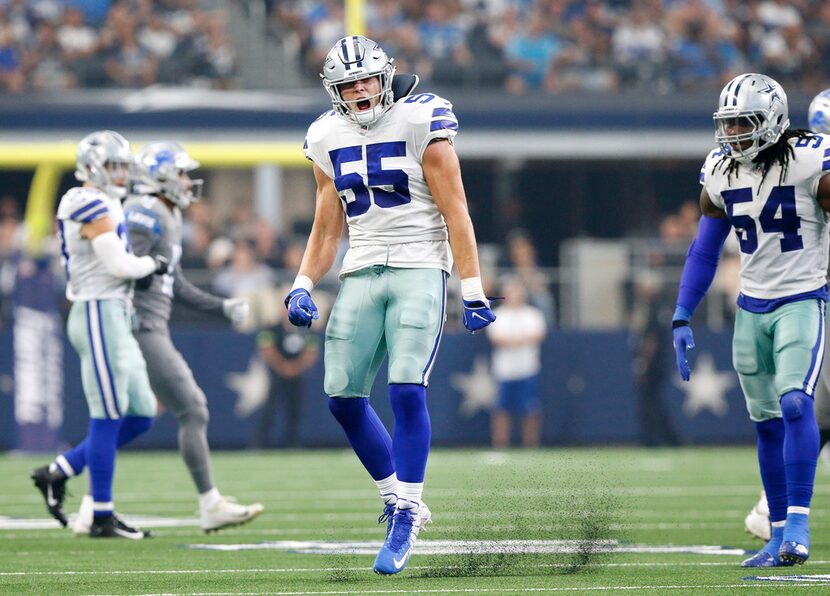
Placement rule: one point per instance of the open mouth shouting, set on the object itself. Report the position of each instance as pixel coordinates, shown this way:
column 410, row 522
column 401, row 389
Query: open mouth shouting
column 363, row 105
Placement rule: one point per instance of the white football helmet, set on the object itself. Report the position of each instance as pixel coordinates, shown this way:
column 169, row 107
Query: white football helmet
column 754, row 101
column 104, row 160
column 162, row 165
column 819, row 113
column 351, row 59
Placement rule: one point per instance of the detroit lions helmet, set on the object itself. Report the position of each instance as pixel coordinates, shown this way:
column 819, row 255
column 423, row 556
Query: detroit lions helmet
column 819, row 113
column 755, row 102
column 104, row 160
column 162, row 165
column 351, row 59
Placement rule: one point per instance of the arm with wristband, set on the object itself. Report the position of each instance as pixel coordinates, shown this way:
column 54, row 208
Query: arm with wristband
column 319, row 253
column 698, row 273
column 442, row 172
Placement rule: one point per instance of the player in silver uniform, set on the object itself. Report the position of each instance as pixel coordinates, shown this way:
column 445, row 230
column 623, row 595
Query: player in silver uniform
column 154, row 223
column 756, row 521
column 772, row 185
column 385, row 157
column 100, row 270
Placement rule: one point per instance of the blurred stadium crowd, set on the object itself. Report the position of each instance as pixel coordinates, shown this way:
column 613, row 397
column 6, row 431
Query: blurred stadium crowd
column 518, row 45
column 578, row 45
column 65, row 44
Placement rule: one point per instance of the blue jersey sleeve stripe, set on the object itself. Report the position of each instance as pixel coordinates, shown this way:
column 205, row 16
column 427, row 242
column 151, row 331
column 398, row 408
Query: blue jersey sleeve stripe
column 78, row 212
column 442, row 112
column 825, row 166
column 443, row 124
column 827, row 153
column 94, row 215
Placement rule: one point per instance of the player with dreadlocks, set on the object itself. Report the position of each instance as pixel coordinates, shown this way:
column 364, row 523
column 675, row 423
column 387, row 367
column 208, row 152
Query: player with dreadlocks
column 756, row 521
column 772, row 186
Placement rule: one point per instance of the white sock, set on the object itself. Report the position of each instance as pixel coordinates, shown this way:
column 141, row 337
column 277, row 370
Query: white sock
column 388, row 489
column 62, row 464
column 209, row 499
column 410, row 492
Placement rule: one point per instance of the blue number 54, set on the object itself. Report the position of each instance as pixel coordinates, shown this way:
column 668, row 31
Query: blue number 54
column 387, row 188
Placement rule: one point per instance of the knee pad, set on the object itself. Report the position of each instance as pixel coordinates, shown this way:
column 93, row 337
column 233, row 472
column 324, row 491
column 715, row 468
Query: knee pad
column 795, row 404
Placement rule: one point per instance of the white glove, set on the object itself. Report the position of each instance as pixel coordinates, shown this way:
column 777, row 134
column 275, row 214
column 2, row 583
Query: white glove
column 236, row 309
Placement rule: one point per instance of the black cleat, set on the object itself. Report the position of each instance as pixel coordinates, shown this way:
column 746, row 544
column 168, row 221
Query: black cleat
column 52, row 485
column 111, row 526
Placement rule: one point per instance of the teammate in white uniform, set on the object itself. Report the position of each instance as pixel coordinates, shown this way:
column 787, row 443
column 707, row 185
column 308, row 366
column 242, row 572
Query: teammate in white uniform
column 771, row 185
column 757, row 520
column 386, row 158
column 100, row 271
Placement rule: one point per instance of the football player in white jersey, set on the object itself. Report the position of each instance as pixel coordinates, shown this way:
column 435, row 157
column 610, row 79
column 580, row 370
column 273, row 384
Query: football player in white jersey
column 100, row 270
column 772, row 185
column 757, row 520
column 385, row 157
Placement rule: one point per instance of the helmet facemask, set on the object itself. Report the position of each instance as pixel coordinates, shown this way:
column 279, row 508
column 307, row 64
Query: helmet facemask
column 759, row 136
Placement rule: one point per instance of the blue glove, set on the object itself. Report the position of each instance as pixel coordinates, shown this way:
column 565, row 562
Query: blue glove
column 301, row 308
column 683, row 340
column 477, row 315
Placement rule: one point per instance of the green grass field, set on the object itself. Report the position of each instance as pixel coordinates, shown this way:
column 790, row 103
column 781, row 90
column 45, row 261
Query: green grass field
column 599, row 510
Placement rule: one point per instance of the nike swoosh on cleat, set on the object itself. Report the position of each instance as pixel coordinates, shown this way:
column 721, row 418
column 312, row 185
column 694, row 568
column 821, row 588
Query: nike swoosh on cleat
column 50, row 500
column 400, row 562
column 475, row 314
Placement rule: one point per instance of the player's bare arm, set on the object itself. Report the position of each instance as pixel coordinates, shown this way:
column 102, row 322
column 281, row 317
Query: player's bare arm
column 823, row 193
column 326, row 230
column 442, row 172
column 708, row 208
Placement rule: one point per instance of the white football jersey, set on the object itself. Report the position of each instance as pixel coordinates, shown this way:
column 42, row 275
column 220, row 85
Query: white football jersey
column 87, row 277
column 391, row 216
column 781, row 228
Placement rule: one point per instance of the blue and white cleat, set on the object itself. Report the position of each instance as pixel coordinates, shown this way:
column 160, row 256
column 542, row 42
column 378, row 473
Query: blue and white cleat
column 795, row 545
column 389, row 513
column 762, row 559
column 396, row 550
column 767, row 556
column 793, row 553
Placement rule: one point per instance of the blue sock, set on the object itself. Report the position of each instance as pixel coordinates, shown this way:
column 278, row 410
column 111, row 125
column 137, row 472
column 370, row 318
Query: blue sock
column 775, row 541
column 771, row 463
column 800, row 447
column 131, row 427
column 410, row 444
column 797, row 529
column 101, row 447
column 366, row 434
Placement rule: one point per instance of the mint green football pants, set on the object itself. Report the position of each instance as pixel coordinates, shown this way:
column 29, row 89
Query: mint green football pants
column 382, row 310
column 113, row 371
column 777, row 352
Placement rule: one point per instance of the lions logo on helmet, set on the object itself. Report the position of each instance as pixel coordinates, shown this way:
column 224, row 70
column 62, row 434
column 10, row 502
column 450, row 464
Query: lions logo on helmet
column 104, row 159
column 819, row 113
column 164, row 167
column 752, row 114
column 351, row 59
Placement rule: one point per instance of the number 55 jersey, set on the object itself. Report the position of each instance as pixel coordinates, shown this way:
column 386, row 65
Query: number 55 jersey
column 378, row 173
column 781, row 228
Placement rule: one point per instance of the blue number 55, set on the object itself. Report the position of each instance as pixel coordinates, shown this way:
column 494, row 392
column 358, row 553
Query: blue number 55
column 387, row 188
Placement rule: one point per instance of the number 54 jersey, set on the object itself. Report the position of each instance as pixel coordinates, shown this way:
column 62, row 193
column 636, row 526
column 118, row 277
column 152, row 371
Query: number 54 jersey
column 781, row 228
column 377, row 171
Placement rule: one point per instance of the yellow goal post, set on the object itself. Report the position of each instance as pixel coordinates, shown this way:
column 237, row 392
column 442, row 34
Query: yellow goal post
column 49, row 161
